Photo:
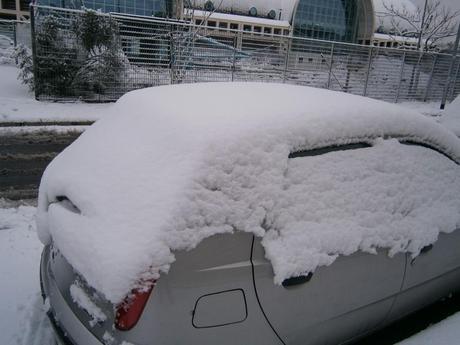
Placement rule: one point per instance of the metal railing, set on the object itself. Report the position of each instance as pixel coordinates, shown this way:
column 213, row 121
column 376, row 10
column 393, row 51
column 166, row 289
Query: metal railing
column 155, row 52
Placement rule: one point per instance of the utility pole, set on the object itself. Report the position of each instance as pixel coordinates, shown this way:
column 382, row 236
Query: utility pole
column 422, row 26
column 451, row 69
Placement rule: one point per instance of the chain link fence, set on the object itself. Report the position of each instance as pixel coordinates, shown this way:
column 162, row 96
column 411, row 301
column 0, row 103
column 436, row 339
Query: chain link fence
column 139, row 52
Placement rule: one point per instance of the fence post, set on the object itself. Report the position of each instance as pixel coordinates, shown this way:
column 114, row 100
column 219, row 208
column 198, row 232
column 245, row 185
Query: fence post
column 34, row 50
column 400, row 77
column 330, row 66
column 451, row 67
column 430, row 80
column 15, row 40
column 171, row 58
column 452, row 90
column 368, row 71
column 286, row 62
column 235, row 43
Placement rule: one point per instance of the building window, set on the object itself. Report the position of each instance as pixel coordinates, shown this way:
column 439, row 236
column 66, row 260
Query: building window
column 223, row 25
column 257, row 29
column 212, row 23
column 9, row 5
column 24, row 5
column 267, row 30
column 234, row 26
column 247, row 28
column 326, row 19
column 277, row 31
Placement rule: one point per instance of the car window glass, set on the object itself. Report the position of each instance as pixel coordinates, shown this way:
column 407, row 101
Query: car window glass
column 323, row 150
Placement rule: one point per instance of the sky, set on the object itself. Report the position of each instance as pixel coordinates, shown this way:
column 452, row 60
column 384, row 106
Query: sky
column 454, row 4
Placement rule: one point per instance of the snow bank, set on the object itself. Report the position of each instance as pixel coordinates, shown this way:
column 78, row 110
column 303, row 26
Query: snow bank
column 451, row 116
column 173, row 165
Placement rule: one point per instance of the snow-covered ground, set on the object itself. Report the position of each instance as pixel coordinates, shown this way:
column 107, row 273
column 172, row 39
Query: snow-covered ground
column 23, row 320
column 18, row 104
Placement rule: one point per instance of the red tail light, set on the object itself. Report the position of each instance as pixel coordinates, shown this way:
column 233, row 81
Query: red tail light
column 130, row 310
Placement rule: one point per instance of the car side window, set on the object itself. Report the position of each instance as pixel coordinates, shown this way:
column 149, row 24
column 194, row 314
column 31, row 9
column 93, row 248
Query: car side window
column 324, row 150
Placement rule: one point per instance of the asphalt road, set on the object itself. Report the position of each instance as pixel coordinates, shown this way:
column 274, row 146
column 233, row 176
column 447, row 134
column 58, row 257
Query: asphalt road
column 24, row 156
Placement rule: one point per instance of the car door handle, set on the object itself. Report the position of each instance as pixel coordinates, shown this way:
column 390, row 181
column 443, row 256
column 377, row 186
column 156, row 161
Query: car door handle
column 297, row 280
column 424, row 250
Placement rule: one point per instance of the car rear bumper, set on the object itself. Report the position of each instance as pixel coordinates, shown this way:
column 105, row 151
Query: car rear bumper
column 67, row 327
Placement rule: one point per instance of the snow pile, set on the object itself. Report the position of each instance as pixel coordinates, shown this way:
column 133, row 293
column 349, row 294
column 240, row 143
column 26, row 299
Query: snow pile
column 84, row 302
column 173, row 165
column 451, row 116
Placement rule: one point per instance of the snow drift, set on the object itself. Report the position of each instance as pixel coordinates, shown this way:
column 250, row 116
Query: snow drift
column 171, row 166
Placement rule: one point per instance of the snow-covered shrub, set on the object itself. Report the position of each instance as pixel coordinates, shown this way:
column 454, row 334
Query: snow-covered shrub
column 83, row 58
column 105, row 65
column 23, row 56
column 55, row 58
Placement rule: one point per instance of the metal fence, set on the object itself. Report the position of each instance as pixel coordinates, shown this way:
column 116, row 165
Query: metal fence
column 151, row 52
column 7, row 29
column 17, row 31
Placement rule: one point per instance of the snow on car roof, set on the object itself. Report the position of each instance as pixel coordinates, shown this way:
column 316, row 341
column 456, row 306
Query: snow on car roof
column 173, row 165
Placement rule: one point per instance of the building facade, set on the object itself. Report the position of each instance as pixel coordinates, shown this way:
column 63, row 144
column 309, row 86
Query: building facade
column 337, row 20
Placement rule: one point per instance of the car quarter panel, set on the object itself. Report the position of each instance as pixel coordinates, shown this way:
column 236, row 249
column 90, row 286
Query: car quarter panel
column 207, row 297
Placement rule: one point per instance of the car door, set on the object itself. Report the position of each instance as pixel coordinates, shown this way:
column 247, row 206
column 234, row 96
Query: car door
column 433, row 274
column 337, row 303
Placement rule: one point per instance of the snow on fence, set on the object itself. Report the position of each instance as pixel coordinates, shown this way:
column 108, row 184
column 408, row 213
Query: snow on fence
column 131, row 52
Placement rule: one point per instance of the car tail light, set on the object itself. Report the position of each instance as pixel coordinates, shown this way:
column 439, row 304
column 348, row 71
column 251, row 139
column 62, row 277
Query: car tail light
column 130, row 310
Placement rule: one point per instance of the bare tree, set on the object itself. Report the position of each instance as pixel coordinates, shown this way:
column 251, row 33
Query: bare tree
column 429, row 24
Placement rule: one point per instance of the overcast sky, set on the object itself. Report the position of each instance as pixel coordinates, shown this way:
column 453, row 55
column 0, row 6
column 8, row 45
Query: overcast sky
column 454, row 4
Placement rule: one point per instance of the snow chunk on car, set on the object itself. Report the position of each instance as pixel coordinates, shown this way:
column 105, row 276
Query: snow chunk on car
column 173, row 165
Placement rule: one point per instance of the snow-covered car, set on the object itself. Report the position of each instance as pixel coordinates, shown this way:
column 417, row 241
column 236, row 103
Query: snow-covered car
column 246, row 213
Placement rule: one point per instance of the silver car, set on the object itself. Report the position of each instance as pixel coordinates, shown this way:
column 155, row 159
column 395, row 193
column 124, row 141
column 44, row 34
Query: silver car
column 223, row 291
